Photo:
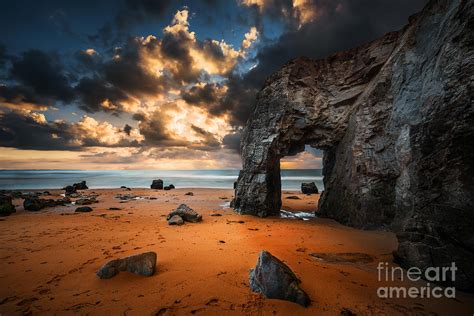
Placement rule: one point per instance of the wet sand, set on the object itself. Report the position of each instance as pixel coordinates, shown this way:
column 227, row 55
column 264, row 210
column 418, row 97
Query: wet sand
column 49, row 259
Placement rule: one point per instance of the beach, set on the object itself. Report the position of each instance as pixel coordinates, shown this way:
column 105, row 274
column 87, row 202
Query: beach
column 49, row 259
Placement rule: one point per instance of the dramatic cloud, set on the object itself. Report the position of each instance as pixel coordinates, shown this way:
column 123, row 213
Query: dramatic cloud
column 31, row 130
column 43, row 74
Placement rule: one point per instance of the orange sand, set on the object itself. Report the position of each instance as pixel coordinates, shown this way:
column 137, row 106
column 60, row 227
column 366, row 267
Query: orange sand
column 49, row 260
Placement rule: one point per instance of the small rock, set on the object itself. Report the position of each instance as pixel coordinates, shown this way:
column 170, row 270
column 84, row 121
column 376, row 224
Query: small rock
column 114, row 208
column 86, row 201
column 80, row 186
column 6, row 205
column 171, row 186
column 175, row 220
column 215, row 214
column 167, row 188
column 70, row 190
column 309, row 188
column 347, row 312
column 157, row 184
column 274, row 279
column 123, row 187
column 141, row 264
column 189, row 193
column 186, row 213
column 84, row 209
column 293, row 197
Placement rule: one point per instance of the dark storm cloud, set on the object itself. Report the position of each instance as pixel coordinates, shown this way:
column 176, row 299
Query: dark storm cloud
column 341, row 25
column 3, row 56
column 154, row 130
column 209, row 140
column 127, row 74
column 20, row 131
column 206, row 94
column 130, row 14
column 43, row 74
column 139, row 116
column 232, row 141
column 19, row 95
column 92, row 92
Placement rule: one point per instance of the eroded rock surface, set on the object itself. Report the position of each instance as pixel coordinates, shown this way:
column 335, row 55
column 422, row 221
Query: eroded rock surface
column 186, row 213
column 395, row 119
column 142, row 264
column 274, row 279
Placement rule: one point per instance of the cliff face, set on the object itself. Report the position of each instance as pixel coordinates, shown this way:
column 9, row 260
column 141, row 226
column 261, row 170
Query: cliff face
column 395, row 119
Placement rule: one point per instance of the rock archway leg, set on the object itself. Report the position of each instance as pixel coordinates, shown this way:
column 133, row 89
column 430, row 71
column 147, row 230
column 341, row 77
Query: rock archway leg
column 258, row 190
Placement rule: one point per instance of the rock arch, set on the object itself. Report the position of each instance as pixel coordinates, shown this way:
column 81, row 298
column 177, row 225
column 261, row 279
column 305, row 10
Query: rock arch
column 395, row 119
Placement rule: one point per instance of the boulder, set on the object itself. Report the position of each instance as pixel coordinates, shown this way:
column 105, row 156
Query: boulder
column 309, row 188
column 86, row 201
column 186, row 213
column 171, row 186
column 33, row 204
column 274, row 279
column 6, row 205
column 80, row 186
column 70, row 190
column 175, row 220
column 84, row 209
column 141, row 264
column 157, row 184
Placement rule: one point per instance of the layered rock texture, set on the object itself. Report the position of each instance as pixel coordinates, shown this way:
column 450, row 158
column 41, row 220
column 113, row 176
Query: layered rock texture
column 395, row 119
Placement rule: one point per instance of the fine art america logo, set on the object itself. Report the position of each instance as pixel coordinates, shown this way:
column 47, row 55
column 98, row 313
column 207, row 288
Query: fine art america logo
column 389, row 274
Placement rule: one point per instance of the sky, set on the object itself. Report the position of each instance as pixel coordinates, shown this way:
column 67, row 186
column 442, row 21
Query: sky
column 148, row 84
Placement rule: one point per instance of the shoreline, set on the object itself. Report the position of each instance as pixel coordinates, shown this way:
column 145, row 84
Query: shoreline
column 49, row 260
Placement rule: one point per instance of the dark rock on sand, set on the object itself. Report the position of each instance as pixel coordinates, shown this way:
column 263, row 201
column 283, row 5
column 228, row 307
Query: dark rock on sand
column 395, row 120
column 80, row 186
column 86, row 201
column 114, row 208
column 35, row 204
column 84, row 209
column 171, row 186
column 6, row 205
column 157, row 184
column 309, row 188
column 141, row 264
column 186, row 213
column 293, row 197
column 189, row 193
column 175, row 220
column 123, row 187
column 167, row 188
column 274, row 279
column 70, row 190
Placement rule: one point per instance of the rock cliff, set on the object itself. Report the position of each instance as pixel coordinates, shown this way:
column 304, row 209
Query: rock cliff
column 395, row 119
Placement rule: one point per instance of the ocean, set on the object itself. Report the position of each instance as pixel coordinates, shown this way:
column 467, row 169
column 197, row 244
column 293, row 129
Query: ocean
column 53, row 179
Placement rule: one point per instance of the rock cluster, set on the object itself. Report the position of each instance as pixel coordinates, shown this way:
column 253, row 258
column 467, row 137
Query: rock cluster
column 70, row 189
column 395, row 120
column 36, row 204
column 141, row 264
column 274, row 279
column 183, row 213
